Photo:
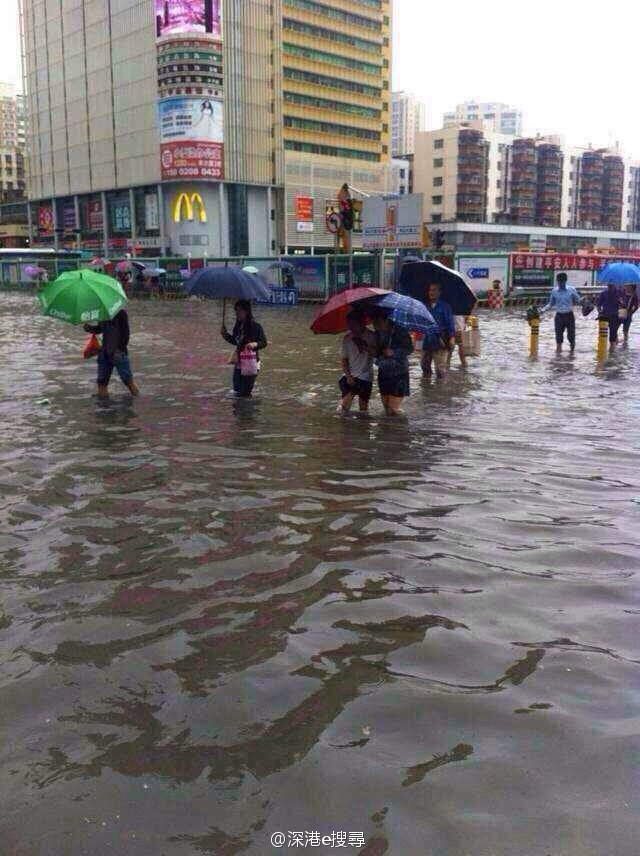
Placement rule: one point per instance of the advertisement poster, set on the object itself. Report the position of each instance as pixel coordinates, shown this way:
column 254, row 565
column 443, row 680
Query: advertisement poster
column 94, row 216
column 481, row 271
column 304, row 213
column 175, row 17
column 392, row 221
column 69, row 216
column 191, row 138
column 121, row 216
column 45, row 218
column 151, row 212
column 191, row 128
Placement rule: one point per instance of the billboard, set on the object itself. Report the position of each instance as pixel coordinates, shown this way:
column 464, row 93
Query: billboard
column 175, row 17
column 392, row 221
column 191, row 126
column 191, row 138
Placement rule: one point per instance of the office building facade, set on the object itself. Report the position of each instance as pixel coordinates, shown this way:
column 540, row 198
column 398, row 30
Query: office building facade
column 408, row 118
column 12, row 144
column 191, row 126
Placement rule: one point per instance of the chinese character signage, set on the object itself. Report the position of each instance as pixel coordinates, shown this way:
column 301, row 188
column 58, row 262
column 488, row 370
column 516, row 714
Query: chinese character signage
column 121, row 216
column 190, row 118
column 304, row 213
column 151, row 212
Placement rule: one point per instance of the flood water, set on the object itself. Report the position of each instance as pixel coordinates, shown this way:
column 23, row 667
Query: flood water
column 223, row 619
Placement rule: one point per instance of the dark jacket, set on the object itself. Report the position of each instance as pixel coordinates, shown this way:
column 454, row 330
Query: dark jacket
column 245, row 332
column 400, row 342
column 115, row 333
column 608, row 303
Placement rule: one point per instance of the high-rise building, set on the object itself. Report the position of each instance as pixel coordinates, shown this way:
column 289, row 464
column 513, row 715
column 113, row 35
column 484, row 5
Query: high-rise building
column 12, row 133
column 190, row 126
column 408, row 118
column 494, row 116
column 336, row 72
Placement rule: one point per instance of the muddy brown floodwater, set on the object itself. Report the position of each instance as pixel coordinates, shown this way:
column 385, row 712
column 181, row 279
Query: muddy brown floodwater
column 223, row 620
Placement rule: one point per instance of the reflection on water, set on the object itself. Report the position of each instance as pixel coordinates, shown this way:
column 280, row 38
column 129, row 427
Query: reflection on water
column 223, row 619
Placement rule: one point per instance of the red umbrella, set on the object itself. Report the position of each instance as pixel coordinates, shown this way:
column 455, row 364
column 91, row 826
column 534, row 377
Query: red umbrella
column 332, row 317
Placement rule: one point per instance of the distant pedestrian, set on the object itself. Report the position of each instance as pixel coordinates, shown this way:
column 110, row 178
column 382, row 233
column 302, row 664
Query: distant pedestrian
column 443, row 316
column 394, row 346
column 629, row 308
column 609, row 304
column 563, row 298
column 114, row 352
column 249, row 339
column 358, row 351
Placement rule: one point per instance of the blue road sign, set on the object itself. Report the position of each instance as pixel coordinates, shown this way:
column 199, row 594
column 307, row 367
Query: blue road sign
column 479, row 273
column 281, row 296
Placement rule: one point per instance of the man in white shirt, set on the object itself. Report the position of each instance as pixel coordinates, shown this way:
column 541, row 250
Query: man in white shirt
column 358, row 351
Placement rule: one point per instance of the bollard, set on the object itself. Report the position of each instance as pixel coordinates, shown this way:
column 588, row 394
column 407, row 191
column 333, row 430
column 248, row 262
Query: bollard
column 472, row 339
column 534, row 337
column 603, row 338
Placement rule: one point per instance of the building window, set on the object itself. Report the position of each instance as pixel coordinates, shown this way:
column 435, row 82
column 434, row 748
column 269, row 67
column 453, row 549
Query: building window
column 436, row 200
column 437, row 163
column 436, row 218
column 437, row 181
column 498, row 183
column 402, row 173
column 438, row 144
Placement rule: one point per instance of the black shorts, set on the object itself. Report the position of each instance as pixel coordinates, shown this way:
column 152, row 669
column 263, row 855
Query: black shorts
column 396, row 385
column 361, row 388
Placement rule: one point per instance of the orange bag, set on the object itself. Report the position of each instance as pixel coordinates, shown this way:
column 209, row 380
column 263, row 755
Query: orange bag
column 91, row 347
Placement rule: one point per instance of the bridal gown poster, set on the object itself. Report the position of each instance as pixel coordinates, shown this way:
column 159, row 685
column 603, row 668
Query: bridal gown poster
column 191, row 121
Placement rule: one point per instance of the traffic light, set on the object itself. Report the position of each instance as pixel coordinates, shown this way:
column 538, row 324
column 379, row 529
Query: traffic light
column 439, row 239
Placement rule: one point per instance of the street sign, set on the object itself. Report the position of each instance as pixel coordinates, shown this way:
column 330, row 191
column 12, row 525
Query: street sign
column 479, row 273
column 281, row 296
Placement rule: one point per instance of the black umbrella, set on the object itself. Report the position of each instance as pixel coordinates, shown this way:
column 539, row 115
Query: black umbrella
column 223, row 282
column 416, row 277
column 411, row 259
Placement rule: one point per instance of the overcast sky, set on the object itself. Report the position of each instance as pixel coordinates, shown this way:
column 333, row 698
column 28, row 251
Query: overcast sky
column 572, row 66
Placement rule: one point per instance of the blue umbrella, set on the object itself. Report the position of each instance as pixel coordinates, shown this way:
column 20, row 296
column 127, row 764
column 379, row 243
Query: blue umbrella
column 620, row 273
column 412, row 314
column 226, row 282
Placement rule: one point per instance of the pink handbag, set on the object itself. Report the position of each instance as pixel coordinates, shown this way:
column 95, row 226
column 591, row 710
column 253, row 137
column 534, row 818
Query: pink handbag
column 248, row 363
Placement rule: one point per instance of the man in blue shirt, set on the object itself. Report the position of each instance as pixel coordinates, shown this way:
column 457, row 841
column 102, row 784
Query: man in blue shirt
column 563, row 298
column 443, row 316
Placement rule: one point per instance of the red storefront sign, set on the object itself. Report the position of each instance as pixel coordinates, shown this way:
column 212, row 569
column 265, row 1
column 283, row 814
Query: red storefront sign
column 195, row 160
column 566, row 261
column 45, row 218
column 94, row 216
column 304, row 209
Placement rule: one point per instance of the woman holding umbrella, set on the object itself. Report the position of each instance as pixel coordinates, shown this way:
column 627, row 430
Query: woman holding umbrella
column 394, row 347
column 249, row 338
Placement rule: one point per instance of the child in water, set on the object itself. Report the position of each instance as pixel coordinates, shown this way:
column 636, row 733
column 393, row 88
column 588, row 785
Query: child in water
column 358, row 350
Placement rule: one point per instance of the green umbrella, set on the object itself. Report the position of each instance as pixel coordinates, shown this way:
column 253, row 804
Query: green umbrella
column 82, row 296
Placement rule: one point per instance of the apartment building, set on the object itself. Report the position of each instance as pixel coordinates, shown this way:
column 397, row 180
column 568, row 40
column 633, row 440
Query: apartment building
column 408, row 118
column 469, row 174
column 492, row 116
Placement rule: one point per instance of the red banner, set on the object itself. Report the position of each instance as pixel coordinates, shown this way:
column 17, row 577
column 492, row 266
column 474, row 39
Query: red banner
column 566, row 261
column 195, row 160
column 304, row 209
